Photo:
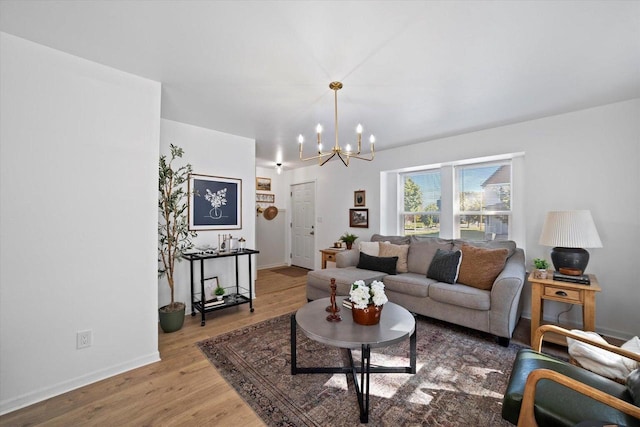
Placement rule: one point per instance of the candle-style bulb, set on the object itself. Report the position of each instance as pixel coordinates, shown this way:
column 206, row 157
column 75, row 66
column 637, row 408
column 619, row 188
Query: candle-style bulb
column 319, row 128
column 359, row 129
column 300, row 139
column 372, row 139
column 348, row 148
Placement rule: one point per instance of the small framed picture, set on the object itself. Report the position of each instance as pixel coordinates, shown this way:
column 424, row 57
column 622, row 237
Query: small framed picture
column 263, row 184
column 265, row 198
column 359, row 198
column 359, row 218
column 210, row 286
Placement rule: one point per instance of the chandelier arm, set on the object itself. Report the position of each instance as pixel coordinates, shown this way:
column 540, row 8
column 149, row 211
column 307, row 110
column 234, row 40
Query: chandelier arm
column 329, row 158
column 318, row 156
column 363, row 158
column 346, row 163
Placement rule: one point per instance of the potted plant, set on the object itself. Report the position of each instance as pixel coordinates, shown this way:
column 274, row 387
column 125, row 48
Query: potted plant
column 541, row 265
column 348, row 239
column 174, row 235
column 219, row 292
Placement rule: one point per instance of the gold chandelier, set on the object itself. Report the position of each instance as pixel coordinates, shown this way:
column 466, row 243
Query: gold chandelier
column 346, row 154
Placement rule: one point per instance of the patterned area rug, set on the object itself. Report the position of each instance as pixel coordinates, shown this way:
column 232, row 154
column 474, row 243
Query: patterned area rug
column 461, row 375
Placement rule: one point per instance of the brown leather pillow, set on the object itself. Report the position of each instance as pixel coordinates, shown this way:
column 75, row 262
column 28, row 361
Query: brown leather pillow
column 480, row 267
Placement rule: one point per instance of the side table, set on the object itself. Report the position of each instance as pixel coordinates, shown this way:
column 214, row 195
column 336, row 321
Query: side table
column 571, row 293
column 329, row 254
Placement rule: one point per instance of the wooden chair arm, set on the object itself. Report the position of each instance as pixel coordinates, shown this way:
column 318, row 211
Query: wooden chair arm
column 539, row 335
column 527, row 416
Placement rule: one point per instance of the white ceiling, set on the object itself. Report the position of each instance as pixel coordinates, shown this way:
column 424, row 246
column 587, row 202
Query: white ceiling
column 412, row 71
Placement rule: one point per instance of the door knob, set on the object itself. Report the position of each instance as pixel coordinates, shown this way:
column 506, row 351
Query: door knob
column 312, row 233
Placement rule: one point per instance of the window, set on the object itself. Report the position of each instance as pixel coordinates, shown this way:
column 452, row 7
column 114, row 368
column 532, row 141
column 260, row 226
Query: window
column 470, row 201
column 421, row 214
column 484, row 195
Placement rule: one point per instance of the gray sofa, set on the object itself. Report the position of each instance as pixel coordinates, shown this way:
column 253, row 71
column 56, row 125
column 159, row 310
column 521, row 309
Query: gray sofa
column 495, row 311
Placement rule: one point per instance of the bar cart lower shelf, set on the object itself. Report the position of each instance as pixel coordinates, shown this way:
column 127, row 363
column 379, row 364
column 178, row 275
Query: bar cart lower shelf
column 238, row 297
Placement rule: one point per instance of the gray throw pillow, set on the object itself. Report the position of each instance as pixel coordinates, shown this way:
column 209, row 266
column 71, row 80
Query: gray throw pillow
column 445, row 266
column 376, row 263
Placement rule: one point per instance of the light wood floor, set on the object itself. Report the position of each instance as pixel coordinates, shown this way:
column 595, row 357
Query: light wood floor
column 184, row 388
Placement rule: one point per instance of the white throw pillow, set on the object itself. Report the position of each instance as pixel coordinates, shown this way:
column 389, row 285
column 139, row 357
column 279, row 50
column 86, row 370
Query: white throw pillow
column 369, row 248
column 598, row 360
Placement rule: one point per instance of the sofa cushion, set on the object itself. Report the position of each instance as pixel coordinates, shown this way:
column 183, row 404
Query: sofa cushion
column 416, row 285
column 509, row 245
column 422, row 250
column 444, row 266
column 396, row 240
column 461, row 295
column 480, row 267
column 369, row 248
column 376, row 263
column 400, row 251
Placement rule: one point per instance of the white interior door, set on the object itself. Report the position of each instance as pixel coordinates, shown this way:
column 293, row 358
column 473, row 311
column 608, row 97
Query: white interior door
column 303, row 224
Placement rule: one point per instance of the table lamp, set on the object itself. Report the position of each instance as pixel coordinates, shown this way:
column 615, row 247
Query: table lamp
column 569, row 232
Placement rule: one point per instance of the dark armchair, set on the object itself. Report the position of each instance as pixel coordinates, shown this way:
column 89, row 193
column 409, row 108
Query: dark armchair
column 545, row 391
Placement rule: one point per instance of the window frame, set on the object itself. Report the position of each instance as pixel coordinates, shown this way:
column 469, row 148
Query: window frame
column 450, row 212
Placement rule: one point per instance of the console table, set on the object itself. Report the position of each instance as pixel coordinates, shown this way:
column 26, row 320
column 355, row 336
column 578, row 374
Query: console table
column 200, row 304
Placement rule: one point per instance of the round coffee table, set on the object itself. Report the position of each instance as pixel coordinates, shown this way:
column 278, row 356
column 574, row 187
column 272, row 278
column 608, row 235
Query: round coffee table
column 396, row 324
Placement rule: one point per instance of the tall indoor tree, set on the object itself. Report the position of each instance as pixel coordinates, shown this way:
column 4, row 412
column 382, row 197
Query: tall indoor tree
column 174, row 235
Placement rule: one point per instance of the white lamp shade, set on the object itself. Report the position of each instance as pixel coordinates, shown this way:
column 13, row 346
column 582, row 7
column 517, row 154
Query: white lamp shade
column 570, row 229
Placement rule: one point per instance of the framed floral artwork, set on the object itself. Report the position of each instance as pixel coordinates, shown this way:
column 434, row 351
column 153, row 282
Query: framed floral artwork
column 215, row 203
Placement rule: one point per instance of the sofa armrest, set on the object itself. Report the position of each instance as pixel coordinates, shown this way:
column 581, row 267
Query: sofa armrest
column 505, row 296
column 347, row 258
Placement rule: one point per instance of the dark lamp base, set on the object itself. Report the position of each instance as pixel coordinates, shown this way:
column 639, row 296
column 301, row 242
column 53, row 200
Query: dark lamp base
column 572, row 261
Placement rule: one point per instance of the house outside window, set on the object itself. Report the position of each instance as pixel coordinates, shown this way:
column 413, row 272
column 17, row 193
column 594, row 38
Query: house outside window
column 484, row 194
column 474, row 204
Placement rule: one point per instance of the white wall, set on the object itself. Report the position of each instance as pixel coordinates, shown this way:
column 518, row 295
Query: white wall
column 588, row 159
column 218, row 154
column 271, row 235
column 79, row 149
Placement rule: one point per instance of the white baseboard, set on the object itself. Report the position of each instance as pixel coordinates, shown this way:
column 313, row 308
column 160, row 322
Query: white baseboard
column 265, row 267
column 27, row 399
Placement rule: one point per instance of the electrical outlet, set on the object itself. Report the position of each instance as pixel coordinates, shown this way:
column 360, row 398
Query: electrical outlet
column 83, row 339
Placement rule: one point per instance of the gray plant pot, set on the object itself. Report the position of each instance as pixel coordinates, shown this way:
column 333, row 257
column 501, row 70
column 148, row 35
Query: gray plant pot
column 171, row 321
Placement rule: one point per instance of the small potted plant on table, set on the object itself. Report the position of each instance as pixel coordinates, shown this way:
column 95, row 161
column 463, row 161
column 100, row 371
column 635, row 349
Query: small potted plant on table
column 348, row 239
column 541, row 265
column 219, row 292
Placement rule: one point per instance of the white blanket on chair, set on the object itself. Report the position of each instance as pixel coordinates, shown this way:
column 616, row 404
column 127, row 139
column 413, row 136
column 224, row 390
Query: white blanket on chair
column 601, row 361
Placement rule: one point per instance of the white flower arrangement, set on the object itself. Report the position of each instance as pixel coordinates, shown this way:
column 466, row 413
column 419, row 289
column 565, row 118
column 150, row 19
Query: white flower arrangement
column 362, row 295
column 217, row 199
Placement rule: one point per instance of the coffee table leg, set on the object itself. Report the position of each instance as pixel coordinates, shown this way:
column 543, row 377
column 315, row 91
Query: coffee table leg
column 412, row 352
column 364, row 379
column 294, row 368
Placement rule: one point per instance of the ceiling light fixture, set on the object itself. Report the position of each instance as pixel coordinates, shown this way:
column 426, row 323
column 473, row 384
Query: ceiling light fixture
column 346, row 154
column 279, row 168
